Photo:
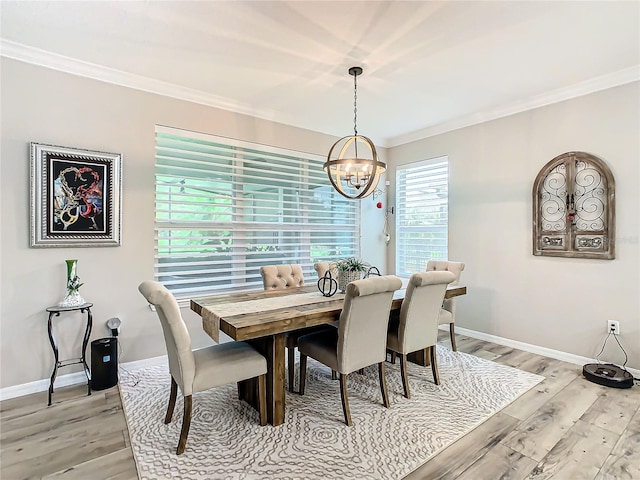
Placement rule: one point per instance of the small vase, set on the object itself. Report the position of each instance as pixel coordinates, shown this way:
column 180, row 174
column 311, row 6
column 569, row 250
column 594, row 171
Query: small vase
column 72, row 298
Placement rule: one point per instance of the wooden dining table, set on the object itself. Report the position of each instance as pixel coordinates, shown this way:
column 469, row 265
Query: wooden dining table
column 262, row 318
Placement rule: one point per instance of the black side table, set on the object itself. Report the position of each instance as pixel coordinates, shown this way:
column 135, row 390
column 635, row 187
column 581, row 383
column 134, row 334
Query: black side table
column 56, row 311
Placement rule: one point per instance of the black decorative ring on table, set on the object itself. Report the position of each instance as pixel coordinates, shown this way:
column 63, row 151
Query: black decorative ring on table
column 373, row 271
column 327, row 285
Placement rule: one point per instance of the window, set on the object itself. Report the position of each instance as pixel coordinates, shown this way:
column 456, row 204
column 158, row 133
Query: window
column 422, row 198
column 573, row 208
column 226, row 207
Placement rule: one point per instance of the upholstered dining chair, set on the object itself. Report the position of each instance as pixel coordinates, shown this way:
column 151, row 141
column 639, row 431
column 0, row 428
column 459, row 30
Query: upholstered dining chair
column 322, row 267
column 194, row 371
column 359, row 340
column 280, row 277
column 417, row 325
column 449, row 304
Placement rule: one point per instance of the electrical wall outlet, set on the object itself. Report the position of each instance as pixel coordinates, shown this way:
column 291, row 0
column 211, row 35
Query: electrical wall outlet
column 613, row 326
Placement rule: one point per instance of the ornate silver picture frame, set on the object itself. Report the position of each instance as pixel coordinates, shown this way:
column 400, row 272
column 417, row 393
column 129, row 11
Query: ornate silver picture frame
column 75, row 197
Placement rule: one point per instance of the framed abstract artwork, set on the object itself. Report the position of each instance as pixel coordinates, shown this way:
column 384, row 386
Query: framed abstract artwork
column 75, row 197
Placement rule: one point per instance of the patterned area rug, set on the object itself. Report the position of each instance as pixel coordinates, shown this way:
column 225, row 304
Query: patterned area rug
column 226, row 441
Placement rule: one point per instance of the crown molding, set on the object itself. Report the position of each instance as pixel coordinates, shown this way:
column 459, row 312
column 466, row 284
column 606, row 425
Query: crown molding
column 73, row 66
column 615, row 79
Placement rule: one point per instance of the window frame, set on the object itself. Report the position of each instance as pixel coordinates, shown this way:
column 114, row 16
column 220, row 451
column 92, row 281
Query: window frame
column 401, row 267
column 314, row 211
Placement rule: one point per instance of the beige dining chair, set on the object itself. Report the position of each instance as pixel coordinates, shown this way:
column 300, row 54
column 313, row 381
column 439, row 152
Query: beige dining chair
column 194, row 371
column 359, row 340
column 416, row 327
column 322, row 267
column 280, row 277
column 449, row 304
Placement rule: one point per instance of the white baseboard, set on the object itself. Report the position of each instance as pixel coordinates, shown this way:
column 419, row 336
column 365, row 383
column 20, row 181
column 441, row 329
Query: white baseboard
column 527, row 347
column 146, row 362
column 41, row 385
column 78, row 377
column 70, row 379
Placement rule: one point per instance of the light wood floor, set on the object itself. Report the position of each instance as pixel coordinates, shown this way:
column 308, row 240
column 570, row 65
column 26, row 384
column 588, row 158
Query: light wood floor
column 564, row 428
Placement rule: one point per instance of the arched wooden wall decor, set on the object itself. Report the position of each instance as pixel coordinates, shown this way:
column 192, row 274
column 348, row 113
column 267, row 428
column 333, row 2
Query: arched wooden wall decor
column 574, row 208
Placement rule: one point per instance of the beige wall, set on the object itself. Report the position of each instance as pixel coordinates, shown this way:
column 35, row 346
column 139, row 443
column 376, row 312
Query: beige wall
column 48, row 106
column 557, row 303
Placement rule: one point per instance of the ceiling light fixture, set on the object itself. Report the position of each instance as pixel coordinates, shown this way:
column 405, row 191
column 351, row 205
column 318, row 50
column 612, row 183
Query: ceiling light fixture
column 351, row 175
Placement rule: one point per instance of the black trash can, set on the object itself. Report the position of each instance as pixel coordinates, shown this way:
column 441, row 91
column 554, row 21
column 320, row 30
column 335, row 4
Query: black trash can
column 104, row 363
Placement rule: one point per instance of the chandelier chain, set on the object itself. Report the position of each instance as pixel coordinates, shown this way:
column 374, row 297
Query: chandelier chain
column 355, row 105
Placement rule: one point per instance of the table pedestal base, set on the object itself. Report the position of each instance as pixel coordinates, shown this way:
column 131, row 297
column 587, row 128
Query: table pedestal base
column 421, row 357
column 272, row 347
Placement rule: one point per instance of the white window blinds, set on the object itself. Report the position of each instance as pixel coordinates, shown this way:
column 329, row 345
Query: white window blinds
column 226, row 207
column 422, row 214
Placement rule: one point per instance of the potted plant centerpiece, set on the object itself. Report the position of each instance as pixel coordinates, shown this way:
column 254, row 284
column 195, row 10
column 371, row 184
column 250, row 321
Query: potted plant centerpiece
column 349, row 269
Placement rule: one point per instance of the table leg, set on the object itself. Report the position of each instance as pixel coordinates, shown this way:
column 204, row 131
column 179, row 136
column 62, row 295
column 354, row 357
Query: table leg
column 87, row 334
column 273, row 348
column 54, row 346
column 276, row 382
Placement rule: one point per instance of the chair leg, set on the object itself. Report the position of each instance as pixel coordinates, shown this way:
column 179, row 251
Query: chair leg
column 186, row 423
column 334, row 375
column 393, row 357
column 405, row 375
column 383, row 384
column 172, row 401
column 345, row 399
column 303, row 373
column 290, row 367
column 452, row 334
column 434, row 365
column 262, row 394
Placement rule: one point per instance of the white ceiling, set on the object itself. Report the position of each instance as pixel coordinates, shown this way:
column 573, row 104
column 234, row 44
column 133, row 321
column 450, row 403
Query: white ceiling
column 428, row 66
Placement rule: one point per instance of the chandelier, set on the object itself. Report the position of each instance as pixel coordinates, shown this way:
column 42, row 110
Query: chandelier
column 352, row 175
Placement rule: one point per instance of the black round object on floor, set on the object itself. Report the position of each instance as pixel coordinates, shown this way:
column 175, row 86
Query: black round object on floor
column 607, row 374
